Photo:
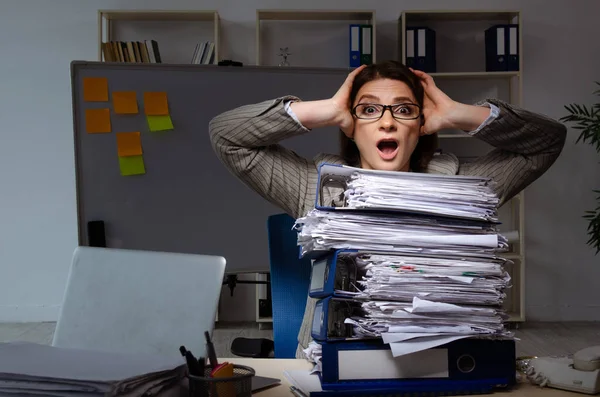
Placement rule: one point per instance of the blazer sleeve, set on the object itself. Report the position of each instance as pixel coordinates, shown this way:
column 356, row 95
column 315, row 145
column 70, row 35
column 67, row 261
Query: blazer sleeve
column 525, row 145
column 246, row 140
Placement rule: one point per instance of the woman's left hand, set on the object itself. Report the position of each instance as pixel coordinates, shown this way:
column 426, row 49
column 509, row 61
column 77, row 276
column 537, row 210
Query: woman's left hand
column 437, row 106
column 442, row 112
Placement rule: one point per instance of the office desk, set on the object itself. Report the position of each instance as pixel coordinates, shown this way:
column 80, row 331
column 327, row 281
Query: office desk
column 274, row 368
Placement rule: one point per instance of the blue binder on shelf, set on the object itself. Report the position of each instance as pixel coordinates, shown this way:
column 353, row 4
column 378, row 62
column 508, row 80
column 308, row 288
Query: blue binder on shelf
column 409, row 46
column 464, row 366
column 354, row 45
column 424, row 44
column 502, row 48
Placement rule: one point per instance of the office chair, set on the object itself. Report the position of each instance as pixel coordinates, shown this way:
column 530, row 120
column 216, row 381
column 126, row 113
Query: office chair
column 290, row 278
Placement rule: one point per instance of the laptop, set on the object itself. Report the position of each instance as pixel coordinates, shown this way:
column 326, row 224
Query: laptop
column 139, row 301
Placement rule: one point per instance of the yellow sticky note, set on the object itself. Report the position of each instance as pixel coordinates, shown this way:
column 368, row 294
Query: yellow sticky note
column 95, row 89
column 132, row 165
column 97, row 121
column 129, row 144
column 155, row 103
column 125, row 102
column 159, row 123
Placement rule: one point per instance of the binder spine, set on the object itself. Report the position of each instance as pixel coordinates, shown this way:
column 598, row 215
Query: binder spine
column 410, row 45
column 425, row 50
column 495, row 49
column 354, row 45
column 512, row 38
column 366, row 44
column 466, row 366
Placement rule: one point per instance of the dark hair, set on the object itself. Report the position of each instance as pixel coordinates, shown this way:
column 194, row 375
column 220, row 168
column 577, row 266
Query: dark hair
column 395, row 70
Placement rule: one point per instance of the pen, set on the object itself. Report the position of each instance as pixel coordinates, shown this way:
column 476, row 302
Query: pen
column 297, row 392
column 210, row 350
column 192, row 364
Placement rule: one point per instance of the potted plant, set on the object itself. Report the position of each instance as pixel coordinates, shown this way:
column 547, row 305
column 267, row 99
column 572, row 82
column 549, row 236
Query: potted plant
column 587, row 120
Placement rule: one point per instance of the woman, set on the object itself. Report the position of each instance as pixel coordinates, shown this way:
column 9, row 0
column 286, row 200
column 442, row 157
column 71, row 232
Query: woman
column 389, row 116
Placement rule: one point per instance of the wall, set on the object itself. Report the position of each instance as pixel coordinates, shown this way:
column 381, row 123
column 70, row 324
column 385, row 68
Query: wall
column 37, row 199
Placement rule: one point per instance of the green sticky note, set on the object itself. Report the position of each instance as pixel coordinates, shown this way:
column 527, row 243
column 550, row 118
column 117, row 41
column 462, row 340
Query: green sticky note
column 132, row 165
column 160, row 123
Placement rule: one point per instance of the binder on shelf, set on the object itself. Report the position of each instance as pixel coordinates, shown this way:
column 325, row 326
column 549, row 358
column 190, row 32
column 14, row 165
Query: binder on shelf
column 354, row 45
column 502, row 48
column 410, row 44
column 425, row 50
column 366, row 44
column 513, row 47
column 466, row 366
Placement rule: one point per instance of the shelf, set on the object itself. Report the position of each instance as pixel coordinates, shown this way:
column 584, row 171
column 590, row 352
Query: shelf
column 159, row 15
column 475, row 75
column 320, row 15
column 326, row 30
column 464, row 15
column 459, row 40
column 176, row 32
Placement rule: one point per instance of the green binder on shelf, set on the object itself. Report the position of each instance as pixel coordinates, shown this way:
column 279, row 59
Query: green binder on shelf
column 366, row 44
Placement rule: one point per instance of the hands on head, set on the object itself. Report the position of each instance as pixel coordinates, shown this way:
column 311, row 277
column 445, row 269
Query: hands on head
column 438, row 108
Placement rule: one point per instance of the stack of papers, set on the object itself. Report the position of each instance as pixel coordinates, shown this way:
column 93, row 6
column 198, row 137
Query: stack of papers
column 42, row 370
column 464, row 197
column 428, row 264
column 404, row 233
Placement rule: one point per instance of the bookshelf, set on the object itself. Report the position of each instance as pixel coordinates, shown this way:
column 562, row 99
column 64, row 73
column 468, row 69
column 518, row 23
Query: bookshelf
column 177, row 32
column 461, row 73
column 327, row 28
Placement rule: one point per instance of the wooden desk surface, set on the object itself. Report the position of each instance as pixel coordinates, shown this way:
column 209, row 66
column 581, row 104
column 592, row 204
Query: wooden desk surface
column 274, row 368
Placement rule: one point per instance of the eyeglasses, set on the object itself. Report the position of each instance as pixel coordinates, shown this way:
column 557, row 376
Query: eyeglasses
column 374, row 111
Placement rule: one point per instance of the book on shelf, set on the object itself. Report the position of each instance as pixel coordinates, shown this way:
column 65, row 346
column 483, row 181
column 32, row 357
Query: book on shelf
column 204, row 53
column 131, row 51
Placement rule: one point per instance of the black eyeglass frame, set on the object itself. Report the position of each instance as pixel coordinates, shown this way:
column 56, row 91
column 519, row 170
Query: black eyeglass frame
column 387, row 107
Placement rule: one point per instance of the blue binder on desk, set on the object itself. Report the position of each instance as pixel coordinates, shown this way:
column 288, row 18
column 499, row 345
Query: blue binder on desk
column 465, row 366
column 334, row 274
column 329, row 319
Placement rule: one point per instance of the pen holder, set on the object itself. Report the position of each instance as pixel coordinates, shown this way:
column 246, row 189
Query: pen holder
column 238, row 385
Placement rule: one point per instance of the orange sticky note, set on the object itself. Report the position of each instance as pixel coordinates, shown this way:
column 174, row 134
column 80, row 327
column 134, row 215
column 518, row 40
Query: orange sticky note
column 155, row 103
column 129, row 144
column 125, row 102
column 97, row 121
column 95, row 89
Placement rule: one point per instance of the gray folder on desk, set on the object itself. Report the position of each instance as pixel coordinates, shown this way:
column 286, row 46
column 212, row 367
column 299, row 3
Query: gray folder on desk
column 29, row 368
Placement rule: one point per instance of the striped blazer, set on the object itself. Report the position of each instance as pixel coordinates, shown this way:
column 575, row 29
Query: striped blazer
column 246, row 140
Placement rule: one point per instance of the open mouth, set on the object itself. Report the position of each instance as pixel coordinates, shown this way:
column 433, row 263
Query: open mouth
column 387, row 148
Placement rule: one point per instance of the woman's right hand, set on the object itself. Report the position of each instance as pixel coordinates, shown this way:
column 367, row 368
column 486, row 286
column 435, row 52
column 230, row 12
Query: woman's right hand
column 334, row 111
column 341, row 103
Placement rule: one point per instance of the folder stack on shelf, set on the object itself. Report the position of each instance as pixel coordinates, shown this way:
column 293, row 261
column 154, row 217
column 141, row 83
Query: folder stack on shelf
column 408, row 261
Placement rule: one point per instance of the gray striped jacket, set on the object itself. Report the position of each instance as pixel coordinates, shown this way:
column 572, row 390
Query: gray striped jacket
column 246, row 140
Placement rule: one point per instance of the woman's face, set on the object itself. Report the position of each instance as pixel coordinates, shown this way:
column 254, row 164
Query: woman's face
column 386, row 143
